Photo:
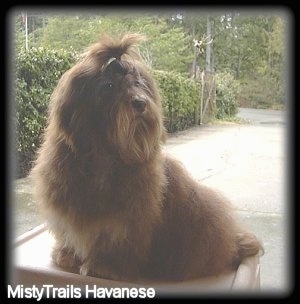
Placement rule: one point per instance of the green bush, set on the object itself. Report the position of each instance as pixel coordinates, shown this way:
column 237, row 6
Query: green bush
column 227, row 90
column 37, row 72
column 262, row 93
column 180, row 98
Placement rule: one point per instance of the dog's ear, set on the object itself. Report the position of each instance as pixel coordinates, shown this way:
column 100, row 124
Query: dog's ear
column 68, row 101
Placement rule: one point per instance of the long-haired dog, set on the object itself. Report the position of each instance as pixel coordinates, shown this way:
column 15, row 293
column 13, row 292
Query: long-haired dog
column 118, row 206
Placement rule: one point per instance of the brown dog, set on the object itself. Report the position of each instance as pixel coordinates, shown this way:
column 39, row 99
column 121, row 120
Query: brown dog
column 118, row 207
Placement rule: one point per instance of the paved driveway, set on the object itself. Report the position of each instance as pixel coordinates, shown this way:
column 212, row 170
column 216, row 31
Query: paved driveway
column 260, row 116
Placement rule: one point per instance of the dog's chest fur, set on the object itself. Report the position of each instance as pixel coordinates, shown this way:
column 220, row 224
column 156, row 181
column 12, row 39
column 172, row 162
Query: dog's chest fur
column 108, row 205
column 111, row 231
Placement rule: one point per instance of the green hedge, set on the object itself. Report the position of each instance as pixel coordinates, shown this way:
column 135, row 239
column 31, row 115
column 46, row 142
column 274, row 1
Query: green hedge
column 262, row 93
column 227, row 91
column 37, row 73
column 180, row 99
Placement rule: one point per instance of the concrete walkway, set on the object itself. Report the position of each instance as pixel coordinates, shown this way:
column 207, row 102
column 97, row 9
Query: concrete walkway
column 248, row 163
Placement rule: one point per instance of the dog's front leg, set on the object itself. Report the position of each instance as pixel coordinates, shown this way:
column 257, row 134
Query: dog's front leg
column 119, row 262
column 65, row 257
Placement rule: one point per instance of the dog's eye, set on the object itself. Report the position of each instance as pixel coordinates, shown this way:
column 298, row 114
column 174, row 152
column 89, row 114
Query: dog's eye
column 139, row 83
column 106, row 85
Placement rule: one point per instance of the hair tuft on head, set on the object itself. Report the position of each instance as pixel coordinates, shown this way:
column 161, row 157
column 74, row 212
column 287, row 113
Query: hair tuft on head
column 109, row 48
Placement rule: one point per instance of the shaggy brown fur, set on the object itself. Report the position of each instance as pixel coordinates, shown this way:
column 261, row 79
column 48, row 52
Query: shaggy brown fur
column 118, row 207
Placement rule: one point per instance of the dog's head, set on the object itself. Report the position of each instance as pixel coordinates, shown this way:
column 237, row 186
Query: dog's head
column 109, row 100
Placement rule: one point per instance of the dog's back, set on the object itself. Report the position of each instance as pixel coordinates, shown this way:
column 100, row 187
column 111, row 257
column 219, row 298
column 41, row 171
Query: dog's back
column 200, row 235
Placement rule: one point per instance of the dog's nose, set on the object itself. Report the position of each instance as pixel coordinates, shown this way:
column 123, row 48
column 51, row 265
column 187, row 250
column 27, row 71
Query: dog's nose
column 139, row 105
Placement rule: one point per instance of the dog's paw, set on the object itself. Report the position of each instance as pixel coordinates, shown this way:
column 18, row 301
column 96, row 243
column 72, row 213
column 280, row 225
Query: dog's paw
column 65, row 258
column 84, row 270
column 100, row 271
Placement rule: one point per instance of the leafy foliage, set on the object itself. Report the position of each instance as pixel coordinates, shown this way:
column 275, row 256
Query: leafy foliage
column 260, row 93
column 38, row 70
column 167, row 47
column 227, row 95
column 78, row 32
column 249, row 45
column 180, row 98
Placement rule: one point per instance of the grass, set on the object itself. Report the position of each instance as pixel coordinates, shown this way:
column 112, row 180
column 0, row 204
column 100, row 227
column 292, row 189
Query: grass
column 228, row 120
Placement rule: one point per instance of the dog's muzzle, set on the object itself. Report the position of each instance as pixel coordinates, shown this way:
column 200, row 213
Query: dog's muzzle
column 139, row 104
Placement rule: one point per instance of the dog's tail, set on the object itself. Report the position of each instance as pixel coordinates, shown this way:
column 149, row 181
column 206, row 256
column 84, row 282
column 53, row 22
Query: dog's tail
column 248, row 245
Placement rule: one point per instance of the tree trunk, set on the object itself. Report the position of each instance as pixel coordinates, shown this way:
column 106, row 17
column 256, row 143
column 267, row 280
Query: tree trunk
column 194, row 66
column 208, row 65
